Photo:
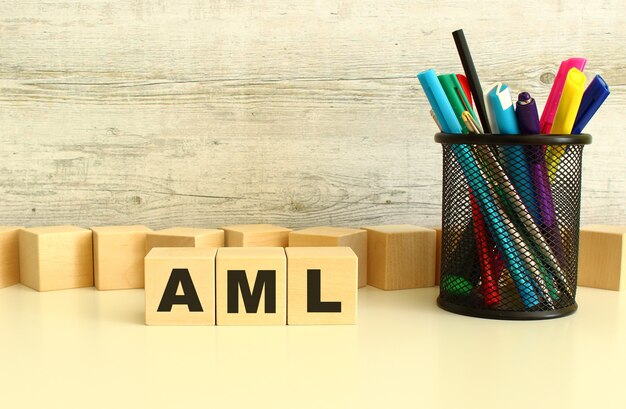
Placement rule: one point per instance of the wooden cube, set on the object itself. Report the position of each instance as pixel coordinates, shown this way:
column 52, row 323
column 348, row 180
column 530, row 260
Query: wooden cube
column 56, row 257
column 185, row 237
column 602, row 257
column 401, row 256
column 322, row 285
column 118, row 256
column 256, row 235
column 324, row 236
column 180, row 286
column 9, row 256
column 438, row 256
column 251, row 286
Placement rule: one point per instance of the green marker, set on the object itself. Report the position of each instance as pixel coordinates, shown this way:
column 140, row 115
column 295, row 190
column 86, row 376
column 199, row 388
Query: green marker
column 453, row 90
column 456, row 285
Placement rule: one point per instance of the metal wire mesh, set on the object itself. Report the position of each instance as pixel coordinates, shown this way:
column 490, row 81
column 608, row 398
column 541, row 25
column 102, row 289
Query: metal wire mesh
column 510, row 230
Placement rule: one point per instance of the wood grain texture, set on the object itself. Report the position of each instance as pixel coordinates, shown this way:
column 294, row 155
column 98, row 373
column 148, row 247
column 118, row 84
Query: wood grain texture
column 294, row 113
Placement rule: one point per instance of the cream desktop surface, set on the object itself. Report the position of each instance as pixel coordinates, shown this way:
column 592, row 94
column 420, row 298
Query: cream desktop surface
column 86, row 348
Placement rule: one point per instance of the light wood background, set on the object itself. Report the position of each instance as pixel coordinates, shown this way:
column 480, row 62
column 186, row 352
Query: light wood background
column 290, row 112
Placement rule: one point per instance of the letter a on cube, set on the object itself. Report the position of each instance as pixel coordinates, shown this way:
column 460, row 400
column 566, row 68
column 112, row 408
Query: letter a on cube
column 180, row 286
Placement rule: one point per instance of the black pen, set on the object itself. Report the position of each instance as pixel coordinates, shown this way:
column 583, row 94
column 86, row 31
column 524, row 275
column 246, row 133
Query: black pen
column 472, row 77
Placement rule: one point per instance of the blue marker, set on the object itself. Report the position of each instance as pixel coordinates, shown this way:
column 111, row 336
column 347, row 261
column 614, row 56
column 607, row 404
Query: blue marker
column 439, row 102
column 501, row 106
column 497, row 225
column 594, row 96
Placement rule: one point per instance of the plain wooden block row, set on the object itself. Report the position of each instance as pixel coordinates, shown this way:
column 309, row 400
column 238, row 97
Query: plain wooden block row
column 251, row 286
column 60, row 257
column 399, row 256
column 391, row 257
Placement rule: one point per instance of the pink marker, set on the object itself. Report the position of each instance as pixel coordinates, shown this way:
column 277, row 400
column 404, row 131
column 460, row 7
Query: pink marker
column 547, row 117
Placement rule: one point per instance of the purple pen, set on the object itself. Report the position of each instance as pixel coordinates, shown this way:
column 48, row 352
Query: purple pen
column 527, row 116
column 528, row 122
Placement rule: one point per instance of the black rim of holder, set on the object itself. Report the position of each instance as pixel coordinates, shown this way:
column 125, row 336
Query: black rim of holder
column 506, row 139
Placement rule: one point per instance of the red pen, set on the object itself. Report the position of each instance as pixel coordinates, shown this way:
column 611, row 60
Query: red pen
column 491, row 263
column 466, row 88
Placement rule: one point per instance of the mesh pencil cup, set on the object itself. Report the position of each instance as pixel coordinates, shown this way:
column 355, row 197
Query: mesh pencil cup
column 510, row 224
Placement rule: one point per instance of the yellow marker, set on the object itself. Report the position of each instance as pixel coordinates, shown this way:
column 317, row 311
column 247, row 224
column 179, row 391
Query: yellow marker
column 573, row 90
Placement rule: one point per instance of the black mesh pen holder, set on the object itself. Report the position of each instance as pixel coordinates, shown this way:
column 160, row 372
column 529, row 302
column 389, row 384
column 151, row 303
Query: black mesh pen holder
column 510, row 224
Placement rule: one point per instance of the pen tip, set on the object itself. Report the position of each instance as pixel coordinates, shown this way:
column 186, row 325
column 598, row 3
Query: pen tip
column 523, row 96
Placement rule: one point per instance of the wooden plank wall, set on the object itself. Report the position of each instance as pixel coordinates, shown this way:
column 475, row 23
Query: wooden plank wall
column 291, row 112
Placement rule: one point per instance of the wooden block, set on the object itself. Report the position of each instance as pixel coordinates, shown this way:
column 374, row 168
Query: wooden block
column 185, row 237
column 118, row 256
column 401, row 256
column 56, row 257
column 180, row 286
column 602, row 257
column 251, row 286
column 322, row 285
column 325, row 236
column 256, row 235
column 438, row 256
column 9, row 256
